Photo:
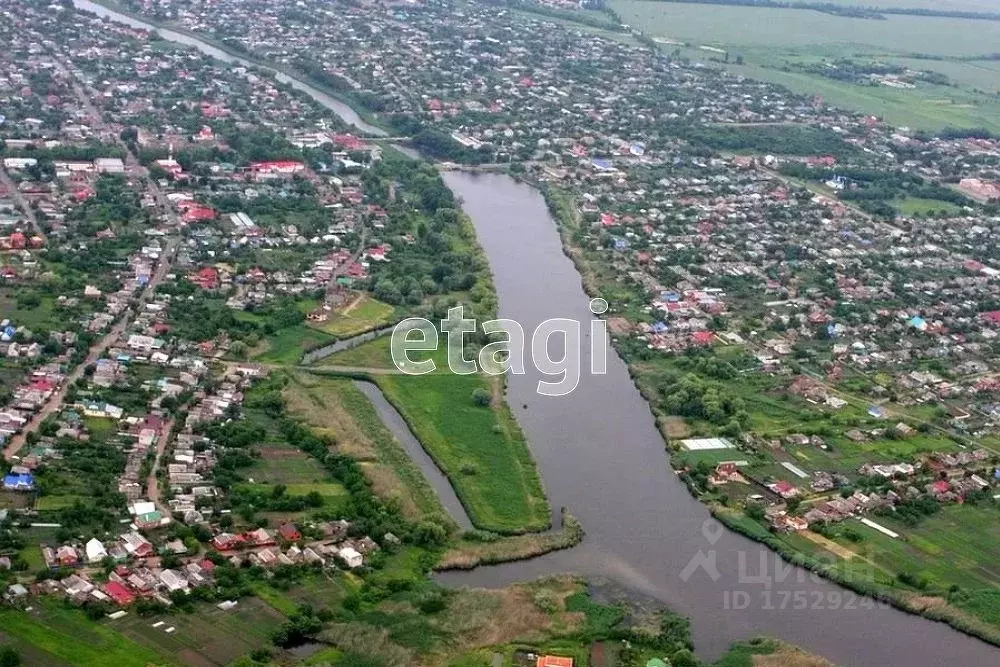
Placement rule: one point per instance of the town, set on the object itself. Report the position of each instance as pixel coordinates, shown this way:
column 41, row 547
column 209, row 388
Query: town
column 807, row 297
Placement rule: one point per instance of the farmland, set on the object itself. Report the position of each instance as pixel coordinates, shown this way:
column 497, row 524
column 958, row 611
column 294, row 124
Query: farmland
column 362, row 314
column 334, row 406
column 781, row 45
column 56, row 635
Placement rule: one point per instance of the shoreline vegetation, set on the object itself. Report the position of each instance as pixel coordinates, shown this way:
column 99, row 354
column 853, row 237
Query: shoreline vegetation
column 476, row 549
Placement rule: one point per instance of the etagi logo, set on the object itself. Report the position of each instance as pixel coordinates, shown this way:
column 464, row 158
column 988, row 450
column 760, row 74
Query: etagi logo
column 416, row 334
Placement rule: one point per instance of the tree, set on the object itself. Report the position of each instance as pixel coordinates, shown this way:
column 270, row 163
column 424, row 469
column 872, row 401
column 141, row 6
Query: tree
column 9, row 657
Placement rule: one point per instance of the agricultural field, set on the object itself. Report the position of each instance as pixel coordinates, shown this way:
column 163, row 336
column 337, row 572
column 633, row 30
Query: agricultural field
column 333, row 406
column 53, row 634
column 209, row 636
column 480, row 448
column 778, row 45
column 363, row 313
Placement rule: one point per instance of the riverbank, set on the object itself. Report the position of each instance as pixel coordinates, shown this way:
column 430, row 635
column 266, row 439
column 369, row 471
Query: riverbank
column 474, row 549
column 480, row 449
column 928, row 606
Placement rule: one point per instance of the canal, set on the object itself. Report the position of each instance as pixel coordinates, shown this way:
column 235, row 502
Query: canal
column 602, row 457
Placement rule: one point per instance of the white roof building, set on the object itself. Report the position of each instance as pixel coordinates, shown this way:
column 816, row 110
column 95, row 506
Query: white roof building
column 95, row 551
column 351, row 557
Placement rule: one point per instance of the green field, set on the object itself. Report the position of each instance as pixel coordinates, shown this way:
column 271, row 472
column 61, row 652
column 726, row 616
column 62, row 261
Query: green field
column 774, row 42
column 51, row 503
column 54, row 634
column 959, row 545
column 376, row 354
column 288, row 467
column 733, row 27
column 288, row 345
column 481, row 449
column 367, row 314
column 917, row 206
column 941, row 5
column 209, row 636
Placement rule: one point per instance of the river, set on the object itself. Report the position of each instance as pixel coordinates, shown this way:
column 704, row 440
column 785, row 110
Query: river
column 602, row 457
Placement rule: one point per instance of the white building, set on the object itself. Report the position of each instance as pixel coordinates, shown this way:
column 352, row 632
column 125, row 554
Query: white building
column 95, row 551
column 351, row 557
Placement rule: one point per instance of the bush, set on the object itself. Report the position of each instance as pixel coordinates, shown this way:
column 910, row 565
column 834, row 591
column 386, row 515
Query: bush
column 481, row 397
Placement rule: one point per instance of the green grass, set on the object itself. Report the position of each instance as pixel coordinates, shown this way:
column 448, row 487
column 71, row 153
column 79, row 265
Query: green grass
column 326, row 656
column 775, row 28
column 289, row 467
column 368, row 314
column 377, row 354
column 480, row 449
column 42, row 316
column 57, row 502
column 207, row 636
column 916, row 206
column 288, row 345
column 100, row 428
column 67, row 635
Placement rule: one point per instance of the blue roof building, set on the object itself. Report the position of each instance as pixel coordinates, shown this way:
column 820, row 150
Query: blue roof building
column 21, row 482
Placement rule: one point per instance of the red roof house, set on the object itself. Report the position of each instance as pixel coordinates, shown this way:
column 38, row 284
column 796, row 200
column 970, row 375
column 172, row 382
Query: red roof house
column 117, row 592
column 289, row 532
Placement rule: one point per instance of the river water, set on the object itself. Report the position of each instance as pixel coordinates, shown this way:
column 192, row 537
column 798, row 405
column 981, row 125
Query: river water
column 601, row 456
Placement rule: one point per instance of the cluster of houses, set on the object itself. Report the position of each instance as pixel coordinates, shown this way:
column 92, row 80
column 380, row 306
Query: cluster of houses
column 138, row 572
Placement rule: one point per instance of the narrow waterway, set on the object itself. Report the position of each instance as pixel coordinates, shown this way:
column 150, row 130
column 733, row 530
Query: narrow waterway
column 341, row 345
column 602, row 457
column 395, row 423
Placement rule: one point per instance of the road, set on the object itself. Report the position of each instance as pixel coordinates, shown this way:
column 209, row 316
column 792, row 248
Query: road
column 152, row 483
column 55, row 402
column 23, row 203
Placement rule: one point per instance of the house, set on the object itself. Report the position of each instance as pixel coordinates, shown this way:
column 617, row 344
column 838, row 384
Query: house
column 259, row 538
column 66, row 556
column 784, row 489
column 553, row 661
column 118, row 592
column 136, row 545
column 289, row 532
column 174, row 581
column 19, row 482
column 15, row 593
column 351, row 557
column 110, row 165
column 227, row 541
column 95, row 551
